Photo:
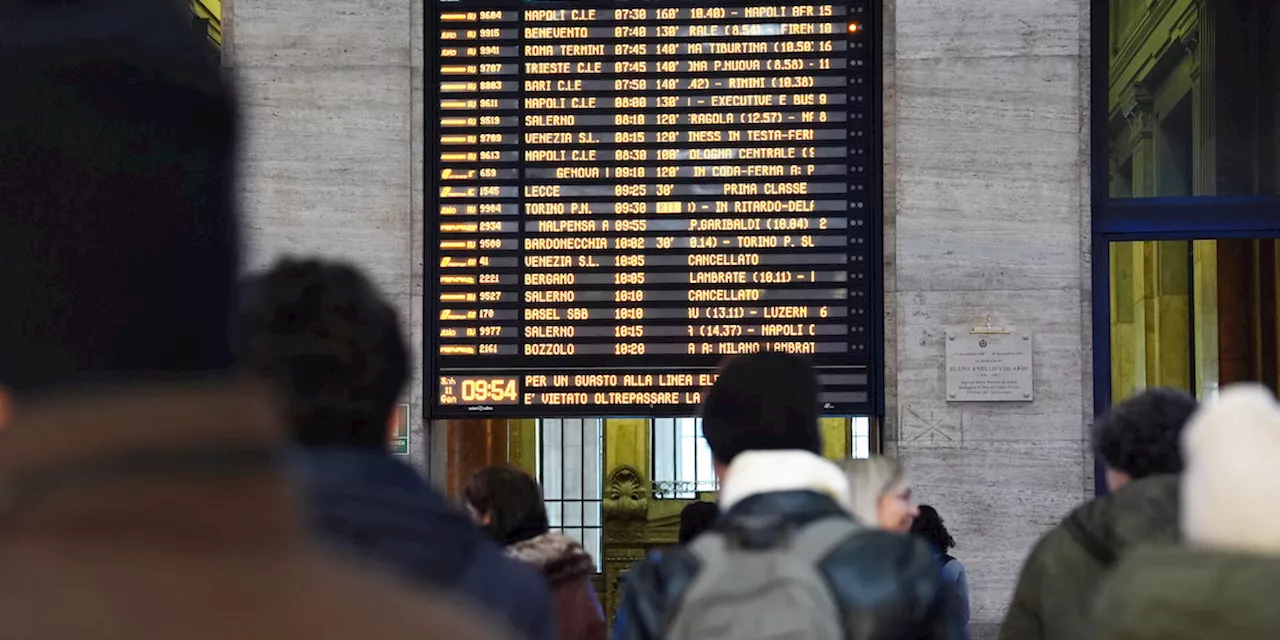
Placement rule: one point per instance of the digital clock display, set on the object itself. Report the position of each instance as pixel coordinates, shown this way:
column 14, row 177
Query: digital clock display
column 623, row 194
column 475, row 390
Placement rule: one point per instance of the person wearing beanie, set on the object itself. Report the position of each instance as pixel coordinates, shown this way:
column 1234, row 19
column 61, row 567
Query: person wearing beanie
column 760, row 420
column 1137, row 440
column 1219, row 581
column 144, row 495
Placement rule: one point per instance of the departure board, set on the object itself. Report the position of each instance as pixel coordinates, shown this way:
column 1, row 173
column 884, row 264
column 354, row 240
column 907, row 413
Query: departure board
column 622, row 195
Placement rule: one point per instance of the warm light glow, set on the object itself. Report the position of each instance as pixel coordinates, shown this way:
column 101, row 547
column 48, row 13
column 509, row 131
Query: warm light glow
column 853, row 27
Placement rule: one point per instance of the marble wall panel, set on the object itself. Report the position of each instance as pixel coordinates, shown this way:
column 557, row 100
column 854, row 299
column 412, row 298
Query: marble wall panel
column 326, row 167
column 320, row 33
column 992, row 28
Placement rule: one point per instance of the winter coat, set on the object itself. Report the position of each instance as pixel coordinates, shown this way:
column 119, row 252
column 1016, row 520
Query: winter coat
column 888, row 585
column 1061, row 577
column 955, row 575
column 1222, row 584
column 1168, row 593
column 369, row 503
column 168, row 513
column 567, row 568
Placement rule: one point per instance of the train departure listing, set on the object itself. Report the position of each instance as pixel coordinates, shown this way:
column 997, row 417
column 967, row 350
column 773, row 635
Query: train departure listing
column 621, row 195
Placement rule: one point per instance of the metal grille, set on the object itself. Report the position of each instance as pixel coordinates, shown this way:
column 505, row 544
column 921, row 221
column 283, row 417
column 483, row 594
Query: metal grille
column 570, row 463
column 682, row 466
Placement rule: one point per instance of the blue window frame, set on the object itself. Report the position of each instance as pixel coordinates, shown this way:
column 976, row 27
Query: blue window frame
column 1193, row 27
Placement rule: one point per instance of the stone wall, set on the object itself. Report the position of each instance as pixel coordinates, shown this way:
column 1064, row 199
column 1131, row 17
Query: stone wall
column 331, row 94
column 988, row 214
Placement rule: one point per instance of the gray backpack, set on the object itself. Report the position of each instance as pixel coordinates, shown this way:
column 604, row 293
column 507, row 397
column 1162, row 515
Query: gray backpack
column 762, row 582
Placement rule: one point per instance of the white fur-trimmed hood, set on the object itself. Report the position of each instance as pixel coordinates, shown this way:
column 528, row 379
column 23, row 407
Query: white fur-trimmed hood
column 755, row 472
column 1232, row 449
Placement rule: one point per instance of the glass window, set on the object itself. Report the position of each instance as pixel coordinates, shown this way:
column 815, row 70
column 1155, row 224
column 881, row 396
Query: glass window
column 682, row 466
column 1194, row 315
column 1193, row 98
column 860, row 437
column 570, row 460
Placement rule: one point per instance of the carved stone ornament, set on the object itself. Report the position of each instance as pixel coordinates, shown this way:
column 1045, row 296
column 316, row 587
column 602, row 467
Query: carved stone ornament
column 626, row 497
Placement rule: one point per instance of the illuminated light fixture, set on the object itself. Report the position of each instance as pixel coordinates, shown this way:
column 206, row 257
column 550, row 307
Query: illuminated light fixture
column 854, row 27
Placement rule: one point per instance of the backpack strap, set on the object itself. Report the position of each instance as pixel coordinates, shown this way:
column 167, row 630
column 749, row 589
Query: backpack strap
column 816, row 540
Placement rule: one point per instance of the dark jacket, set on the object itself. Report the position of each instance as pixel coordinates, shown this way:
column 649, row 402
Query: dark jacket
column 1060, row 579
column 167, row 513
column 888, row 585
column 955, row 575
column 567, row 568
column 1190, row 594
column 383, row 510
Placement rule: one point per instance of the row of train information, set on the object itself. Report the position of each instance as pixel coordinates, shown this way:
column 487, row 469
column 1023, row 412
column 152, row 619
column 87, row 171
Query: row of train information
column 626, row 194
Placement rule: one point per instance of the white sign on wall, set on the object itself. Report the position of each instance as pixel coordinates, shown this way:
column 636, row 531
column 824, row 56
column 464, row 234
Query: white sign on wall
column 989, row 367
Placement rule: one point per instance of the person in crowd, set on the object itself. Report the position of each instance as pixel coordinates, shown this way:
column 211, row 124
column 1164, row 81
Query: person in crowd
column 695, row 518
column 882, row 494
column 145, row 493
column 1220, row 582
column 507, row 504
column 1137, row 440
column 781, row 499
column 929, row 526
column 323, row 335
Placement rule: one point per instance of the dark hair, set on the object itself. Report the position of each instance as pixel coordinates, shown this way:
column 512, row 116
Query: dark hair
column 513, row 501
column 1141, row 436
column 117, row 220
column 764, row 401
column 697, row 517
column 929, row 525
column 324, row 335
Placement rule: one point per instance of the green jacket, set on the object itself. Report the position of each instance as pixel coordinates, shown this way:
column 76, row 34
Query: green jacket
column 1190, row 594
column 1061, row 577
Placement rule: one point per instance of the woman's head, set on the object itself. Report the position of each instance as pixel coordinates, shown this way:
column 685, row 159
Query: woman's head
column 507, row 503
column 928, row 525
column 881, row 493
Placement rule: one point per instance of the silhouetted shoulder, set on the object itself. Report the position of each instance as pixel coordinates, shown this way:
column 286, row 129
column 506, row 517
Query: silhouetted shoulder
column 652, row 588
column 889, row 583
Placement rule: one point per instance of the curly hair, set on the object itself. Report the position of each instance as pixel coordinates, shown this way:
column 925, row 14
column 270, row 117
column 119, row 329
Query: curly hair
column 929, row 526
column 322, row 333
column 1141, row 436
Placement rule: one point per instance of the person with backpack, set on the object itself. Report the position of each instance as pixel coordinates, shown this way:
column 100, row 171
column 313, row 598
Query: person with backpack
column 1137, row 440
column 786, row 560
column 929, row 526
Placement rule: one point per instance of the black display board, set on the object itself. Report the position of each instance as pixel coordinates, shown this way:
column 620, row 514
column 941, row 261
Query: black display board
column 622, row 195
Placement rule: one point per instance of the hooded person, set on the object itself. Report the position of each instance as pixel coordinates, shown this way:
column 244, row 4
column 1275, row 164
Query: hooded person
column 760, row 420
column 324, row 335
column 144, row 491
column 1220, row 583
column 1137, row 440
